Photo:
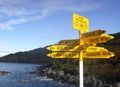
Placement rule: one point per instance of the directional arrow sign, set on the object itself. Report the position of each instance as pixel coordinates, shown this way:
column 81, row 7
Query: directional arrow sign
column 64, row 48
column 64, row 54
column 99, row 39
column 70, row 42
column 98, row 54
column 67, row 47
column 93, row 49
column 92, row 33
column 80, row 23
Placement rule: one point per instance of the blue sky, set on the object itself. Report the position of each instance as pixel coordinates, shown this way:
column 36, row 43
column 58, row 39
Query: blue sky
column 30, row 24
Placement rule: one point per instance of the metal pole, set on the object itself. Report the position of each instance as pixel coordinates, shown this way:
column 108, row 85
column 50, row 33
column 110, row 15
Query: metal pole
column 81, row 80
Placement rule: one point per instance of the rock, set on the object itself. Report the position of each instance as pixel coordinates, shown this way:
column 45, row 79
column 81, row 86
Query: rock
column 71, row 79
column 42, row 72
column 32, row 72
column 87, row 81
column 49, row 71
column 23, row 80
column 94, row 81
column 99, row 83
column 76, row 80
column 61, row 76
column 4, row 72
column 107, row 85
column 117, row 84
column 60, row 73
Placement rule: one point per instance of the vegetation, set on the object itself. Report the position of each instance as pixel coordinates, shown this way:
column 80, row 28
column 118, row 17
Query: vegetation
column 33, row 56
column 107, row 69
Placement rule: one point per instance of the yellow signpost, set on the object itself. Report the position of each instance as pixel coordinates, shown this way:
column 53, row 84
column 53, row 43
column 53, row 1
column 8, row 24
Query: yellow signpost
column 72, row 42
column 94, row 49
column 64, row 48
column 92, row 55
column 98, row 54
column 64, row 55
column 84, row 47
column 80, row 23
column 98, row 39
column 67, row 47
column 92, row 34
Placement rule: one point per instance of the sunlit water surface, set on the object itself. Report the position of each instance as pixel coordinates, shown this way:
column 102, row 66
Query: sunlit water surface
column 21, row 77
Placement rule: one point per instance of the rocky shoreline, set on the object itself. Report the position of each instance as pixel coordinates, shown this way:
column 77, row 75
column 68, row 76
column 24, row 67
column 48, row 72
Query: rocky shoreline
column 61, row 76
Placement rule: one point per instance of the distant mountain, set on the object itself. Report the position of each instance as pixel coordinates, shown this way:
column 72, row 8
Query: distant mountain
column 33, row 56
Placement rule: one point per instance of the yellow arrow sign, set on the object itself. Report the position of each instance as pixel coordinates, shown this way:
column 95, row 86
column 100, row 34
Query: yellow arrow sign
column 64, row 48
column 98, row 54
column 70, row 42
column 99, row 39
column 92, row 33
column 93, row 49
column 80, row 23
column 63, row 55
column 67, row 47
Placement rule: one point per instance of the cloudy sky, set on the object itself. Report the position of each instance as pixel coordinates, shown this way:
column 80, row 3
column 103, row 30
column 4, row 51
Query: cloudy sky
column 30, row 24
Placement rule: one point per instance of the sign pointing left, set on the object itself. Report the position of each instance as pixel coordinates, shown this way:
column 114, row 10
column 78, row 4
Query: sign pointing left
column 64, row 48
column 72, row 42
column 63, row 55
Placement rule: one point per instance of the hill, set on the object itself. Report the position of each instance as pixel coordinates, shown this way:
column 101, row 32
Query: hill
column 106, row 68
column 33, row 56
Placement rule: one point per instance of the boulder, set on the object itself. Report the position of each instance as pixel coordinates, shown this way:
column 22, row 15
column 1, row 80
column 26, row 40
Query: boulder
column 49, row 71
column 99, row 83
column 117, row 84
column 60, row 73
column 4, row 72
column 107, row 85
column 23, row 80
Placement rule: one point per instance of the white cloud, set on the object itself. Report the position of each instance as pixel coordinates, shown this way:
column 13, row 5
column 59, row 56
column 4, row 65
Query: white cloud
column 2, row 53
column 5, row 26
column 84, row 7
column 20, row 11
column 11, row 11
column 71, row 6
column 8, row 25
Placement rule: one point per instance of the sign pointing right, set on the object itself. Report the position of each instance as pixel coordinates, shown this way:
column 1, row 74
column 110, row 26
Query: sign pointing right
column 98, row 54
column 98, row 39
column 92, row 34
column 94, row 49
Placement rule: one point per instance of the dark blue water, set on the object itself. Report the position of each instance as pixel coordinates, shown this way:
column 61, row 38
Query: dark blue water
column 21, row 77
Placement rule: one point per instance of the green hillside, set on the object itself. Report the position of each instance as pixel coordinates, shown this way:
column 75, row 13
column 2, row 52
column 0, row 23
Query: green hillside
column 108, row 69
column 33, row 56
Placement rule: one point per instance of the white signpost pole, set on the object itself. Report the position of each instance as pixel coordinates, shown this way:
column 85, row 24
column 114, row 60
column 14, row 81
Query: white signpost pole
column 81, row 80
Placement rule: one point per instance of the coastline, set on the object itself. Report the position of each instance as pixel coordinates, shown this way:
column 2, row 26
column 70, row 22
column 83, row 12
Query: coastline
column 62, row 77
column 58, row 75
